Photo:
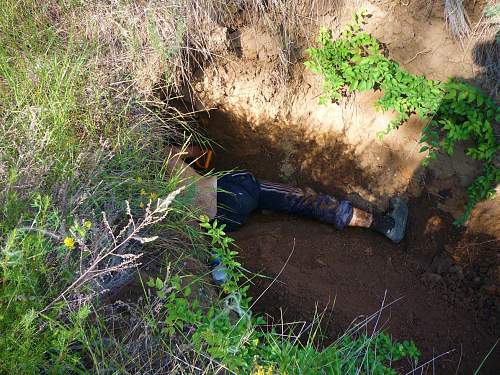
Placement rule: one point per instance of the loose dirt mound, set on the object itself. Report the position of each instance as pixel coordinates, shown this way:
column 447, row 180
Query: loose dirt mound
column 353, row 270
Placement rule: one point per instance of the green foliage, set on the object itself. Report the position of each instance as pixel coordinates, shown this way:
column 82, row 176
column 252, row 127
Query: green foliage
column 349, row 356
column 65, row 154
column 30, row 277
column 41, row 102
column 225, row 330
column 221, row 247
column 455, row 111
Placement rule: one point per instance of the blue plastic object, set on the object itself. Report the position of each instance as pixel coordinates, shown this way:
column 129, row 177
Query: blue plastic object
column 219, row 271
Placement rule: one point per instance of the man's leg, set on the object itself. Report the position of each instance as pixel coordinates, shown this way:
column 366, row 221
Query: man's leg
column 282, row 198
column 237, row 196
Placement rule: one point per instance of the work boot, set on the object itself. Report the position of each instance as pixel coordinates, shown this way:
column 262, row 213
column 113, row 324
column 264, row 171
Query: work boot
column 393, row 223
column 398, row 210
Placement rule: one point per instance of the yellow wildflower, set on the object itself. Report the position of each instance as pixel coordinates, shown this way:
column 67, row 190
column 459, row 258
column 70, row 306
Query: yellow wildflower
column 87, row 224
column 143, row 192
column 69, row 242
column 153, row 196
column 141, row 205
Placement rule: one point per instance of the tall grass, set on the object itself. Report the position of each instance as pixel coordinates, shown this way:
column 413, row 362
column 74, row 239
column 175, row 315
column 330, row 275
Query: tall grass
column 40, row 112
column 74, row 159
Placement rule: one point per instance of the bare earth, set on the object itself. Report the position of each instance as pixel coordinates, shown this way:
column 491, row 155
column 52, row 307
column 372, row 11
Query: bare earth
column 448, row 279
column 353, row 269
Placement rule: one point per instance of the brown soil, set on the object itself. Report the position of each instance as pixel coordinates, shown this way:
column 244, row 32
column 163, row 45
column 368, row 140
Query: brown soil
column 248, row 81
column 442, row 307
column 354, row 269
column 271, row 124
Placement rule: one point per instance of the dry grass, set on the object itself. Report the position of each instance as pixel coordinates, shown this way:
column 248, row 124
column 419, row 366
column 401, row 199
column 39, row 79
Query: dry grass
column 112, row 250
column 484, row 45
column 457, row 19
column 152, row 43
column 480, row 39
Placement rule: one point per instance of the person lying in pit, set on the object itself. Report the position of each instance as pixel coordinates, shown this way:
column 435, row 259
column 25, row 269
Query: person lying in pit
column 233, row 197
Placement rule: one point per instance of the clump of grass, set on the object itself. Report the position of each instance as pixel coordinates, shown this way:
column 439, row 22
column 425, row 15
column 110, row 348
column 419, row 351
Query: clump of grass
column 72, row 154
column 457, row 19
column 159, row 43
column 484, row 45
column 40, row 115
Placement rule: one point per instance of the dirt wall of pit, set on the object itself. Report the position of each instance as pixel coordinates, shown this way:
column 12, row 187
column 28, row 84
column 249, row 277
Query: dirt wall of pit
column 247, row 81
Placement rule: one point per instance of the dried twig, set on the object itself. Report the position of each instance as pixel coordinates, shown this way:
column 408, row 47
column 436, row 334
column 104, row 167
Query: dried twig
column 457, row 19
column 129, row 232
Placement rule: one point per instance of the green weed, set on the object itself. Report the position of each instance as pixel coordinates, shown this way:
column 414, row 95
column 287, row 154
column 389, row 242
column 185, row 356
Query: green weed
column 235, row 338
column 455, row 111
column 66, row 156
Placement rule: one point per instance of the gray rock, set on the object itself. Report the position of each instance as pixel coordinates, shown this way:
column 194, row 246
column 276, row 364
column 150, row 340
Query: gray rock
column 441, row 263
column 431, row 278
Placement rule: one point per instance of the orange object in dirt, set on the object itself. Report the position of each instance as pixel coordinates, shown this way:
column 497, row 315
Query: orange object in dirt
column 205, row 160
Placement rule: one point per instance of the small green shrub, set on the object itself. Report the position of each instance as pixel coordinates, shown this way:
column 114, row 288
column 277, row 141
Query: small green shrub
column 455, row 111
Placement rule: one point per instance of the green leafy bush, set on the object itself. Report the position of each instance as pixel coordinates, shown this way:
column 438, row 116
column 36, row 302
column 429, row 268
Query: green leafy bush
column 455, row 111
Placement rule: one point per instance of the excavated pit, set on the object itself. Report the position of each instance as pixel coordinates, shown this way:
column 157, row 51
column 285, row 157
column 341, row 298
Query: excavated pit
column 445, row 279
column 353, row 272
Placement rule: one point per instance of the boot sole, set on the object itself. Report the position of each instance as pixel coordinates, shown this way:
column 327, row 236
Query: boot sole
column 399, row 213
